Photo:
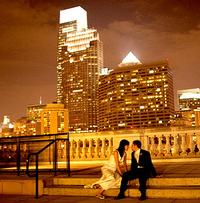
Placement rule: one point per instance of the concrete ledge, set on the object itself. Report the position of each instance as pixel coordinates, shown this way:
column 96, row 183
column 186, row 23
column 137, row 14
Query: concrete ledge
column 151, row 182
column 184, row 193
column 20, row 187
column 176, row 193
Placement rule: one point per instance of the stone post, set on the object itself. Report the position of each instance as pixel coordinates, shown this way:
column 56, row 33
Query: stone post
column 72, row 149
column 198, row 142
column 103, row 149
column 84, row 154
column 146, row 142
column 110, row 146
column 183, row 144
column 152, row 147
column 78, row 149
column 96, row 150
column 160, row 147
column 175, row 147
column 191, row 143
column 168, row 146
column 90, row 148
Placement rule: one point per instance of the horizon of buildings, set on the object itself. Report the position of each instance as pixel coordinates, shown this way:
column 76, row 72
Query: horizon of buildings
column 134, row 95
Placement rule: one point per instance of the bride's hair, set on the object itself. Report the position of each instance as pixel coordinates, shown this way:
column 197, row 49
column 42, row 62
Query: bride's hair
column 121, row 148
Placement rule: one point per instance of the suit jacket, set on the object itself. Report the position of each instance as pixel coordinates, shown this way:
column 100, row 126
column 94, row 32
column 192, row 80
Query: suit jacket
column 144, row 163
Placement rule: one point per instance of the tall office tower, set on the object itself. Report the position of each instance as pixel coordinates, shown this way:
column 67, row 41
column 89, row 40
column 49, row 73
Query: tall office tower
column 79, row 61
column 189, row 99
column 136, row 95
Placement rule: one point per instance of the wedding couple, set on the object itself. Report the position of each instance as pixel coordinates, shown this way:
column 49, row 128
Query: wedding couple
column 113, row 177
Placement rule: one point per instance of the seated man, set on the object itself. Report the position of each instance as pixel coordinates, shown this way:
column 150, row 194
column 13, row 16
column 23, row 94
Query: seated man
column 141, row 167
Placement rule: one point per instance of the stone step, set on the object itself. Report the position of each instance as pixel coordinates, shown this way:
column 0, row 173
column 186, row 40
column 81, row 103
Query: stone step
column 170, row 192
column 151, row 182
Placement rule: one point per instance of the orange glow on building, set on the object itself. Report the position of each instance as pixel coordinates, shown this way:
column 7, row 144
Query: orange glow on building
column 136, row 96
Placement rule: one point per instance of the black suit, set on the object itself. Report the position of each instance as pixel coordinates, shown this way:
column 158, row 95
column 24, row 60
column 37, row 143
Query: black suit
column 142, row 170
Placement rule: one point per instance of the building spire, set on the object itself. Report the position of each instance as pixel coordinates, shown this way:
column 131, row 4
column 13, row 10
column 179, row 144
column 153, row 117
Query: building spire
column 130, row 59
column 40, row 100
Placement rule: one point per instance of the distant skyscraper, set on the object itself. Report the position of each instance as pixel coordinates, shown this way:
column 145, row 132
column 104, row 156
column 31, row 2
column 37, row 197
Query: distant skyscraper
column 54, row 119
column 189, row 99
column 189, row 106
column 136, row 95
column 79, row 62
column 46, row 119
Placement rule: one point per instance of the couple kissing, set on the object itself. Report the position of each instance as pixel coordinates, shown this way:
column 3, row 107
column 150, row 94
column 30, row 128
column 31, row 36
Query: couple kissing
column 112, row 176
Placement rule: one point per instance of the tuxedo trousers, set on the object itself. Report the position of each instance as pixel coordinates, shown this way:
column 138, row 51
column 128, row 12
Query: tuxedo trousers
column 139, row 173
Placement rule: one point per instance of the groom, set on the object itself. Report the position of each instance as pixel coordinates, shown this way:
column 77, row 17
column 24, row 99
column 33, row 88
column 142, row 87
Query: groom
column 141, row 168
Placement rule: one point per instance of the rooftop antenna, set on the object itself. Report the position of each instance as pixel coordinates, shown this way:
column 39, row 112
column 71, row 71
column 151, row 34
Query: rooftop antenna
column 40, row 100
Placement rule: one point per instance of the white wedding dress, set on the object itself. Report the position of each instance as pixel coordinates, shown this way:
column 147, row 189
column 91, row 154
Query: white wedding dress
column 110, row 177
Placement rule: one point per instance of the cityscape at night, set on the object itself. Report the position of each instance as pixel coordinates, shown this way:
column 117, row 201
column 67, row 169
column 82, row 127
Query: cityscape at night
column 152, row 31
column 81, row 57
column 100, row 87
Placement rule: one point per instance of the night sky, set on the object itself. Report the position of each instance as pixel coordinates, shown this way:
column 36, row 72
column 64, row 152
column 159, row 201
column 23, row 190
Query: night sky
column 152, row 29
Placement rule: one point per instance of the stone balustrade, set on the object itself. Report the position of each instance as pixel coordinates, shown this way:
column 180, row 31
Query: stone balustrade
column 162, row 143
column 165, row 143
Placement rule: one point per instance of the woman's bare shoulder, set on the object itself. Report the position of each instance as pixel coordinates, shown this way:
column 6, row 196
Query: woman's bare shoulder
column 115, row 152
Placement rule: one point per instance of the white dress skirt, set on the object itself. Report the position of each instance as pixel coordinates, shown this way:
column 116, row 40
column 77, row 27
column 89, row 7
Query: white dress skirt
column 110, row 177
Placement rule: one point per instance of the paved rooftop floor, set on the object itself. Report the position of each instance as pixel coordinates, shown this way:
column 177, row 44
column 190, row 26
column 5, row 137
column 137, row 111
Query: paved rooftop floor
column 69, row 199
column 165, row 168
column 171, row 168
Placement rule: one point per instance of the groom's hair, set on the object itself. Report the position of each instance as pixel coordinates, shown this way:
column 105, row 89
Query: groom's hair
column 138, row 143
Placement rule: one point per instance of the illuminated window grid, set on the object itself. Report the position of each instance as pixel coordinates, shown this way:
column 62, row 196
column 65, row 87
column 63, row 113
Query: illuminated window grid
column 114, row 110
column 80, row 84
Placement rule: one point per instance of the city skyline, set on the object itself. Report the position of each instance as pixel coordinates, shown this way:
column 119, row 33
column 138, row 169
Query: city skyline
column 152, row 31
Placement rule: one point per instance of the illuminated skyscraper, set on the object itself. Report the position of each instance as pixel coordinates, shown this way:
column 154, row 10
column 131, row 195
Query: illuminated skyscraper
column 136, row 95
column 79, row 61
column 189, row 106
column 189, row 99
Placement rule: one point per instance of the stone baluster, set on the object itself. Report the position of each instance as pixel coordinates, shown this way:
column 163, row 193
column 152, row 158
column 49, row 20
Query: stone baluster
column 110, row 146
column 183, row 144
column 160, row 147
column 77, row 149
column 175, row 146
column 14, row 147
column 90, row 148
column 24, row 147
column 198, row 142
column 72, row 149
column 168, row 145
column 191, row 143
column 96, row 150
column 146, row 143
column 152, row 147
column 103, row 149
column 106, row 148
column 84, row 150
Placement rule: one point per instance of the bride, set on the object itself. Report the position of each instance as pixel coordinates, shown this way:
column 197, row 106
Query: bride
column 112, row 170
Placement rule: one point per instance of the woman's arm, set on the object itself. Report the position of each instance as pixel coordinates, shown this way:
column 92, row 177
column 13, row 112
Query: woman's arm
column 125, row 162
column 117, row 162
